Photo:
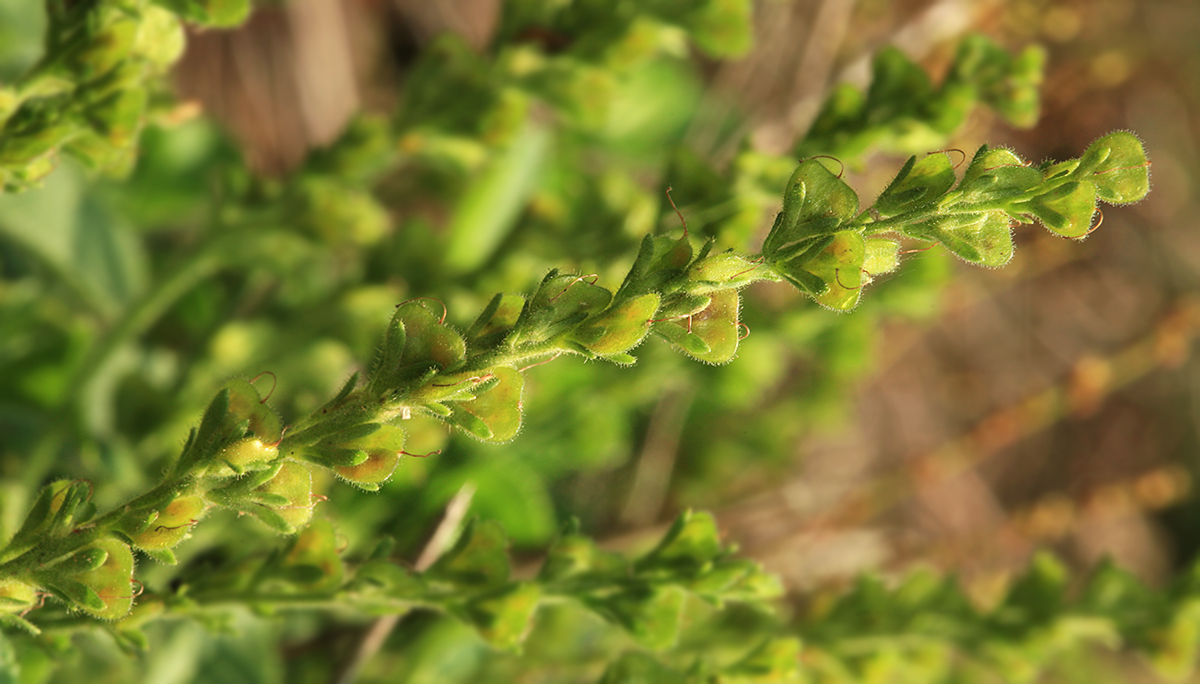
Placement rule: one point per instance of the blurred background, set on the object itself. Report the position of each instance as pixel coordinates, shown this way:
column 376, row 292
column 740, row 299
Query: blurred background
column 960, row 418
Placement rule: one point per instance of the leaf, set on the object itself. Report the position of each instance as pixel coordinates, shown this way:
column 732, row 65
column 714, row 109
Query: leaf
column 497, row 411
column 653, row 616
column 387, row 361
column 85, row 560
column 46, row 514
column 78, row 593
column 659, row 260
column 996, row 174
column 1007, row 83
column 496, row 320
column 980, row 238
column 316, row 549
column 833, row 275
column 219, row 427
column 165, row 556
column 711, row 335
column 504, row 617
column 112, row 581
column 691, row 542
column 620, row 328
column 332, row 455
column 17, row 623
column 576, row 557
column 1066, row 210
column 383, row 447
column 815, row 203
column 919, row 184
column 479, row 559
column 1117, row 165
column 267, row 516
column 95, row 253
column 294, row 482
column 427, row 344
column 492, row 204
column 560, row 302
column 841, row 114
column 721, row 271
column 883, row 256
column 391, row 579
column 17, row 596
column 160, row 38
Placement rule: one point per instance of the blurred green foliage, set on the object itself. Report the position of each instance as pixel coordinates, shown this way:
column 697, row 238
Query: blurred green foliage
column 128, row 299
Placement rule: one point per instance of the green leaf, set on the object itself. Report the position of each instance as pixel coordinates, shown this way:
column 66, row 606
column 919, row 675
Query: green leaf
column 722, row 271
column 111, row 581
column 46, row 514
column 653, row 616
column 160, row 38
column 833, row 130
column 82, row 561
column 383, row 447
column 496, row 321
column 659, row 260
column 164, row 556
column 815, row 203
column 504, row 617
column 680, row 304
column 996, row 174
column 980, row 238
column 426, row 344
column 315, row 550
column 883, row 256
column 19, row 624
column 352, row 436
column 833, row 275
column 391, row 579
column 919, row 184
column 560, row 302
column 17, row 596
column 1066, row 210
column 497, row 410
column 1117, row 165
column 1007, row 83
column 387, row 361
column 479, row 559
column 339, row 213
column 93, row 251
column 333, row 456
column 218, row 428
column 576, row 557
column 491, row 206
column 710, row 335
column 691, row 542
column 620, row 328
column 78, row 593
column 1172, row 648
column 293, row 480
column 245, row 403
